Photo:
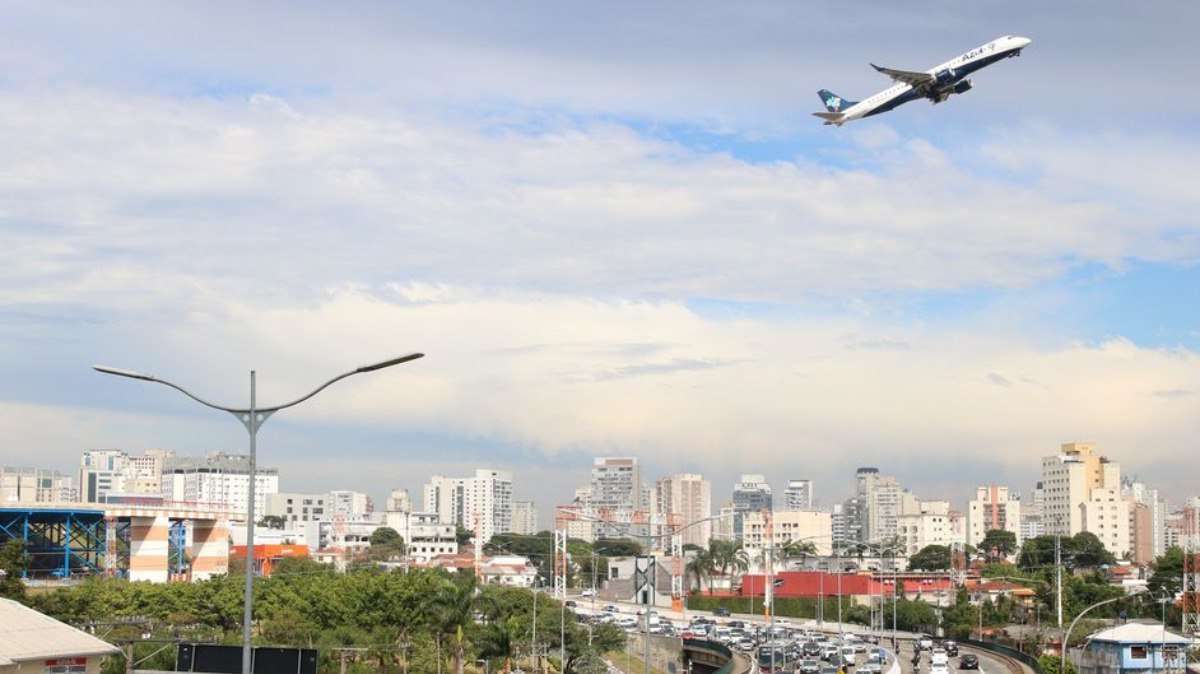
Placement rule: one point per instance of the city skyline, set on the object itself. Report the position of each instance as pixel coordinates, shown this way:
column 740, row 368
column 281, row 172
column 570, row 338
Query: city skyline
column 613, row 233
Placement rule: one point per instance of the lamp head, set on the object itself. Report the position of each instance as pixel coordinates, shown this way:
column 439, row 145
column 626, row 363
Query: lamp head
column 123, row 373
column 389, row 363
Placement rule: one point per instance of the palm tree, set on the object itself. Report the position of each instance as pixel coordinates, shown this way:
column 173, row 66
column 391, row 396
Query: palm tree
column 452, row 609
column 798, row 549
column 701, row 567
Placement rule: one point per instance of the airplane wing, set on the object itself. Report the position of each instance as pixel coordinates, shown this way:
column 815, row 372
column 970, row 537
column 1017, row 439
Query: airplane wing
column 913, row 79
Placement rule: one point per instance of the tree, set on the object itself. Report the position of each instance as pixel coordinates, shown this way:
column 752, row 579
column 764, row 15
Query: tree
column 700, row 567
column 273, row 521
column 14, row 562
column 618, row 547
column 998, row 544
column 1167, row 579
column 930, row 558
column 798, row 550
column 462, row 535
column 1089, row 552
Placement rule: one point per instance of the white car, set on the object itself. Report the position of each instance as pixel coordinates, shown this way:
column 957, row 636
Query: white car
column 939, row 669
column 587, row 592
column 939, row 657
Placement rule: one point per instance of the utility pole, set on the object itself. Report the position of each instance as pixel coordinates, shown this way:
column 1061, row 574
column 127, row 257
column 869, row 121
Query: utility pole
column 1058, row 585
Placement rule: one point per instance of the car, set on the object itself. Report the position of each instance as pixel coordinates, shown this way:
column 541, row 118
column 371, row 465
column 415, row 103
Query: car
column 924, row 642
column 811, row 648
column 570, row 603
column 611, row 609
column 721, row 612
column 968, row 661
column 587, row 592
column 870, row 668
column 828, row 670
column 939, row 656
column 939, row 669
column 809, row 666
column 951, row 647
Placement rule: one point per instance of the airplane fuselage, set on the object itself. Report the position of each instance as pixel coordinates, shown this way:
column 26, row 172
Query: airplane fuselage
column 945, row 79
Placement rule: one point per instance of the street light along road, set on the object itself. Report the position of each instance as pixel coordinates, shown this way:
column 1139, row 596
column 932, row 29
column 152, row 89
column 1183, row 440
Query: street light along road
column 252, row 417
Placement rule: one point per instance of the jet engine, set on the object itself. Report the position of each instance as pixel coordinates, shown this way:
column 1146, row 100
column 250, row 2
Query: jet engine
column 962, row 87
column 943, row 76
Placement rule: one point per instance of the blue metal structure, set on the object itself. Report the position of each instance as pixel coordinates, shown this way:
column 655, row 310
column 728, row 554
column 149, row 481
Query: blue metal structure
column 177, row 560
column 60, row 542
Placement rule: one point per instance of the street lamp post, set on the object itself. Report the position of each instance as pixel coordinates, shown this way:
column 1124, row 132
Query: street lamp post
column 1062, row 666
column 253, row 417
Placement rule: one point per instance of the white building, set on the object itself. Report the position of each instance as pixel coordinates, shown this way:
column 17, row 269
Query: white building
column 813, row 526
column 349, row 503
column 525, row 520
column 398, row 502
column 219, row 480
column 1082, row 492
column 685, row 500
column 798, row 495
column 994, row 507
column 483, row 503
column 35, row 485
column 883, row 499
column 424, row 536
column 297, row 508
column 933, row 524
column 616, row 490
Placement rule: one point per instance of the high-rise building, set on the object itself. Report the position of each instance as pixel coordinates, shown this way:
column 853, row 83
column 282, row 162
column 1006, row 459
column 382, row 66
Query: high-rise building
column 220, row 480
column 483, row 503
column 35, row 485
column 933, row 524
column 994, row 507
column 525, row 520
column 883, row 500
column 686, row 500
column 798, row 495
column 722, row 526
column 101, row 471
column 616, row 491
column 1148, row 527
column 849, row 518
column 1082, row 492
column 751, row 494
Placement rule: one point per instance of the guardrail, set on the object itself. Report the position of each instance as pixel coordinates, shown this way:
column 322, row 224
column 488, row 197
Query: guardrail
column 1023, row 658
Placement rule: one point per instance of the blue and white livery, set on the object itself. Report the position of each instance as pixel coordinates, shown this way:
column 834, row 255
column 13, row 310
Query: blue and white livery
column 936, row 84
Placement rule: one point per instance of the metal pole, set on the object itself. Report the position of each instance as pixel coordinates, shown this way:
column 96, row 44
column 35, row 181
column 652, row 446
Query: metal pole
column 248, row 600
column 1058, row 586
column 562, row 637
column 533, row 639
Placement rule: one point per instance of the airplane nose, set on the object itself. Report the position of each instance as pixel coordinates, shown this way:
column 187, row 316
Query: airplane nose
column 1022, row 42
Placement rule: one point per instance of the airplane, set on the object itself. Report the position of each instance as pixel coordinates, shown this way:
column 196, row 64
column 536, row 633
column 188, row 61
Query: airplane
column 937, row 84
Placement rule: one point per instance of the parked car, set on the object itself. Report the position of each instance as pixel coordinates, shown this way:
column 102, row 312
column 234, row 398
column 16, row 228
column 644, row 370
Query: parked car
column 968, row 661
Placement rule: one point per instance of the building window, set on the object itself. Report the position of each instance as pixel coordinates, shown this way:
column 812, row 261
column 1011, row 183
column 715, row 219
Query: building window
column 1138, row 652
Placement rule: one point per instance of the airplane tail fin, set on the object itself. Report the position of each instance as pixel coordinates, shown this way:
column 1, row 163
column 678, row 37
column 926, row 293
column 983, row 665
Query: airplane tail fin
column 833, row 102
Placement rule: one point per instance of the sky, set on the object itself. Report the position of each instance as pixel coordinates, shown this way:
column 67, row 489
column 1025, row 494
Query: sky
column 614, row 229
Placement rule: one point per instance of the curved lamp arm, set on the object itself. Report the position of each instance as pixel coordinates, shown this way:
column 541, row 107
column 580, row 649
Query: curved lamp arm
column 259, row 410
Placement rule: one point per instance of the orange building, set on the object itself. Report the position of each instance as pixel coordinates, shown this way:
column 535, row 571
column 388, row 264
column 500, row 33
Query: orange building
column 267, row 556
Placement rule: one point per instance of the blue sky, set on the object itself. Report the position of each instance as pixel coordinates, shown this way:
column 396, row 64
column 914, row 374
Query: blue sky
column 614, row 229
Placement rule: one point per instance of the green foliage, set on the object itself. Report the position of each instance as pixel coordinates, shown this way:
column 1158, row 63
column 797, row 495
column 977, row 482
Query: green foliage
column 1081, row 551
column 1167, row 579
column 930, row 558
column 273, row 522
column 432, row 615
column 1052, row 664
column 14, row 561
column 618, row 547
column 998, row 544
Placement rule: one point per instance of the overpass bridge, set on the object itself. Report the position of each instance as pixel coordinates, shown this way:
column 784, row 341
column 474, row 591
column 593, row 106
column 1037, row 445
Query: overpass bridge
column 155, row 540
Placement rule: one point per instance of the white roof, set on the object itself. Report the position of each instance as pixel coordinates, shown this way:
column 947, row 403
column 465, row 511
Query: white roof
column 26, row 634
column 1139, row 633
